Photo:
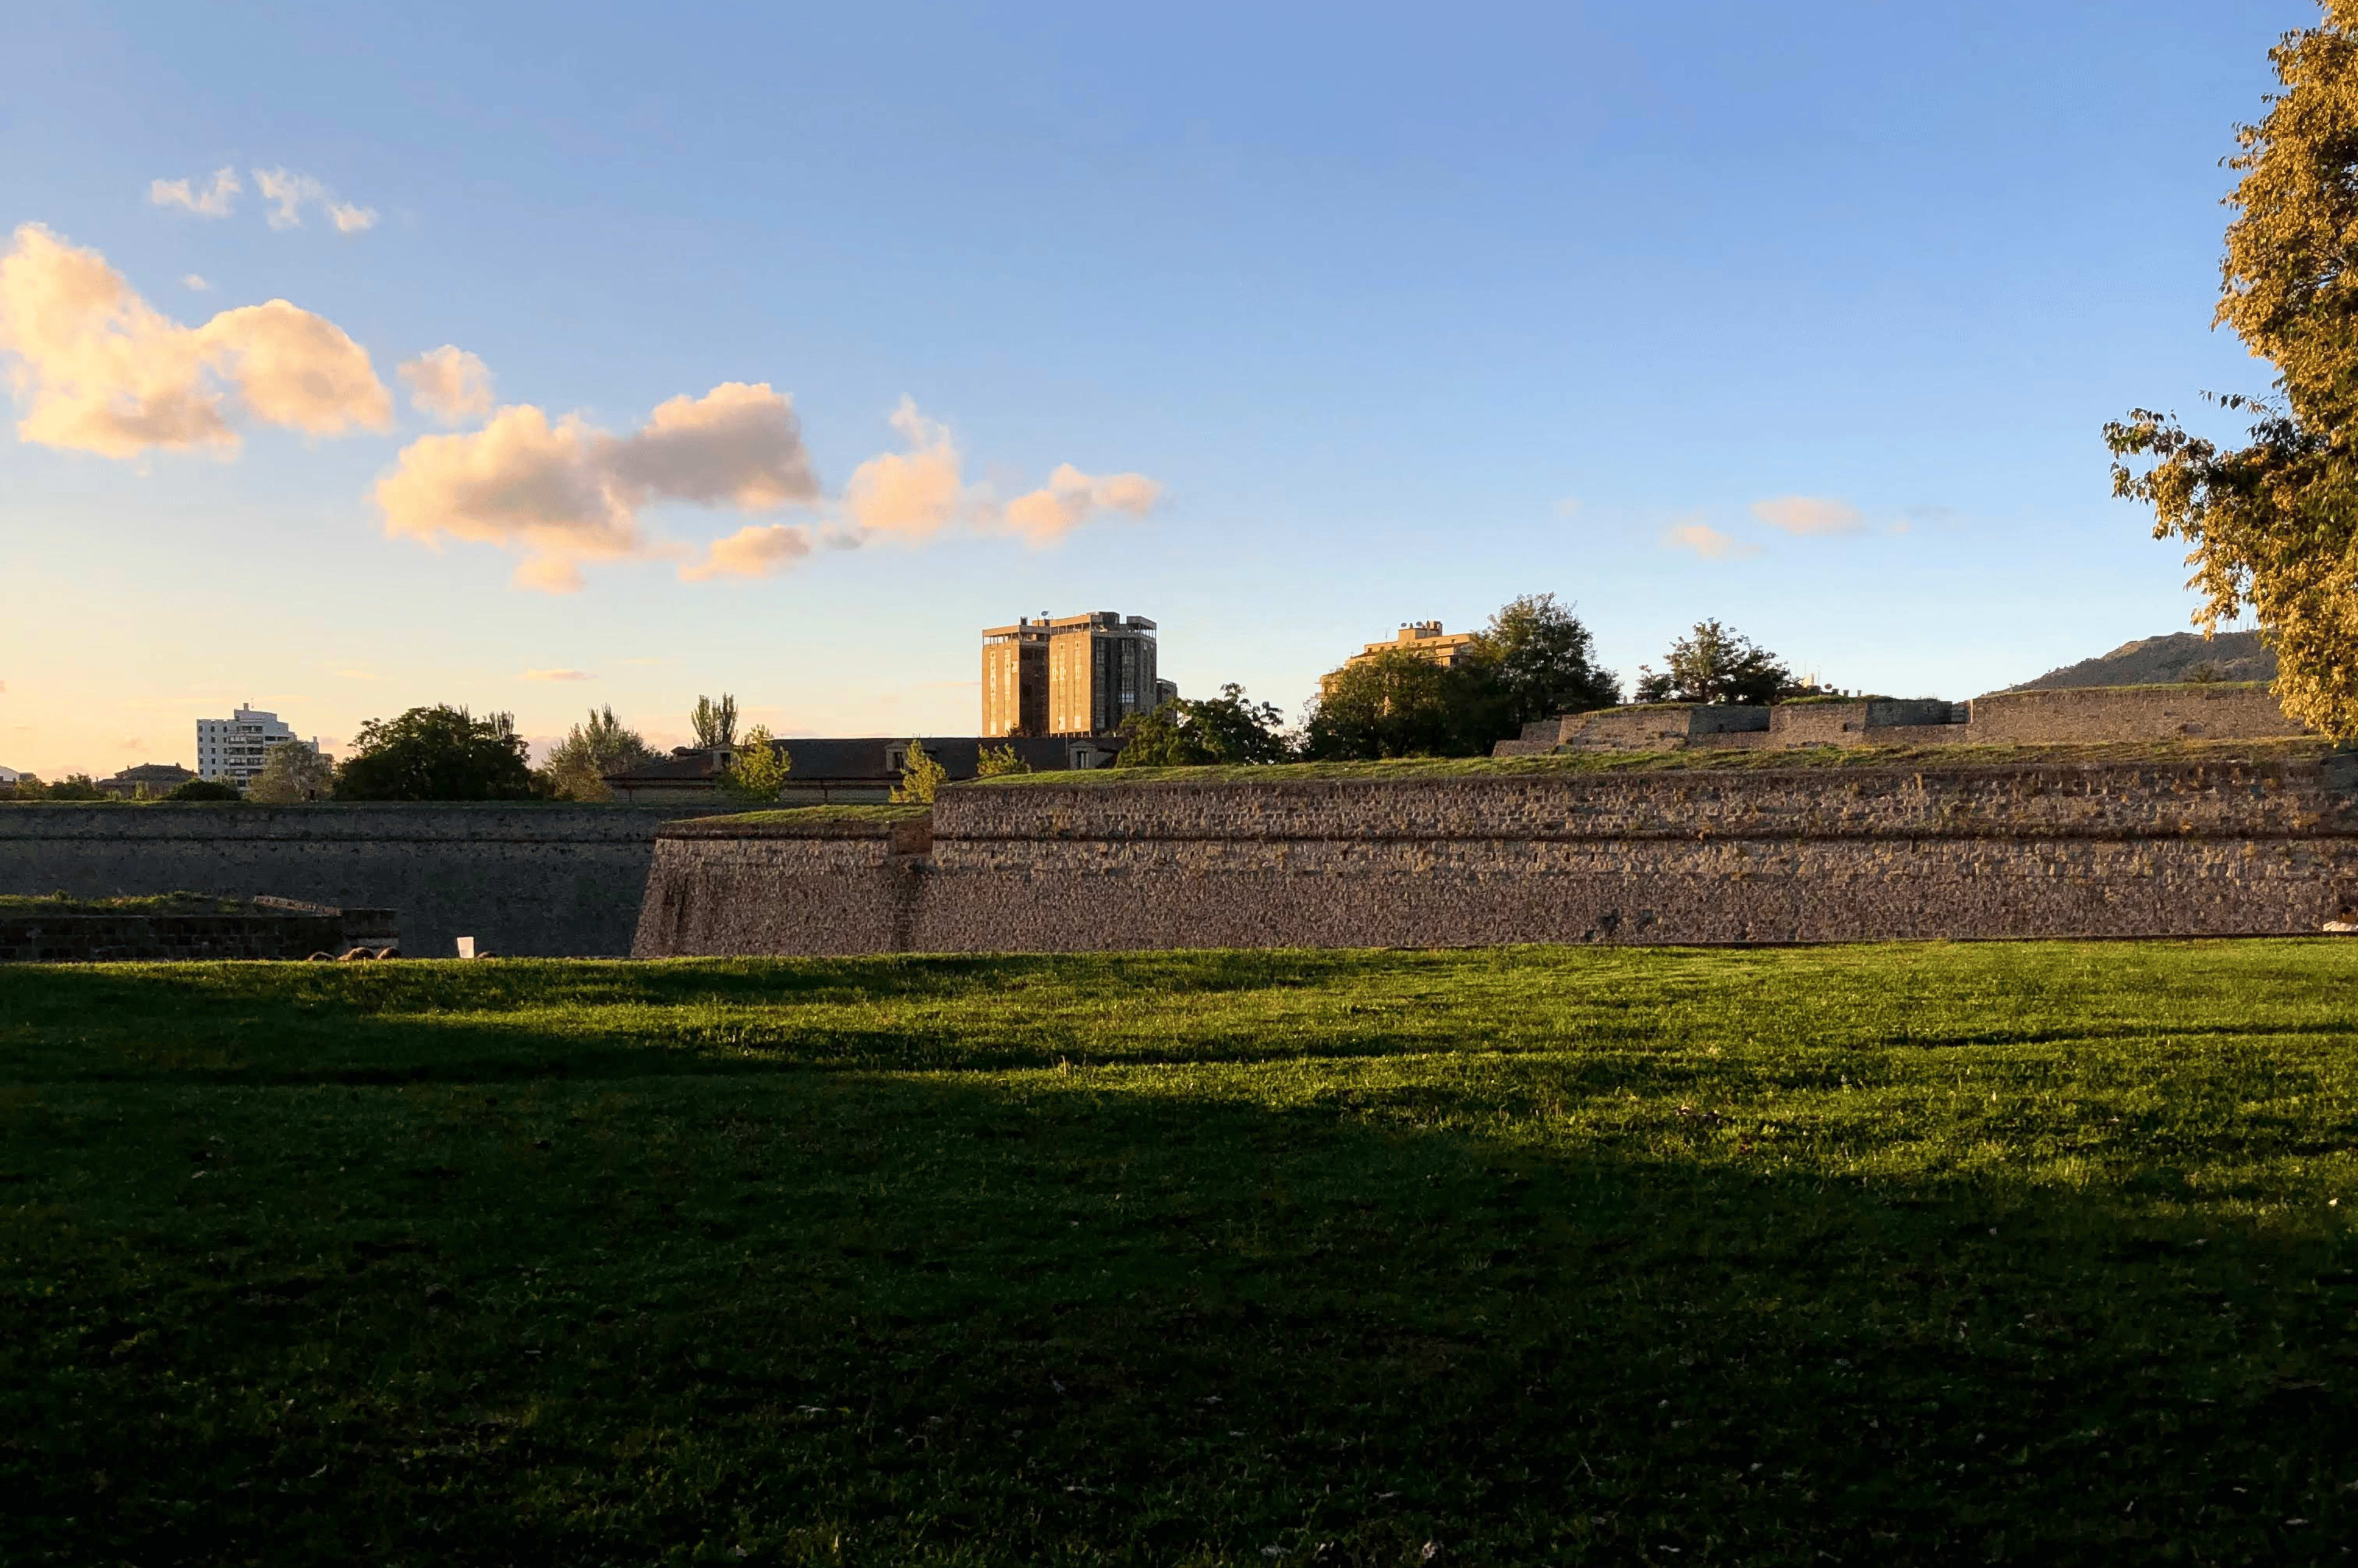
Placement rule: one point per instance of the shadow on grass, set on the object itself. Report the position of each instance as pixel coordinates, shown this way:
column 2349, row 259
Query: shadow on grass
column 1128, row 1315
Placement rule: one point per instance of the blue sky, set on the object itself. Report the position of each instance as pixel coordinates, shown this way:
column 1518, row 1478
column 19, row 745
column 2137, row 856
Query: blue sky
column 1350, row 316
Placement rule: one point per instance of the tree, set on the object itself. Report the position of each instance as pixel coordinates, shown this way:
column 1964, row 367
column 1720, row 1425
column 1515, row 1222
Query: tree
column 73, row 786
column 290, row 772
column 921, row 778
column 202, row 790
column 599, row 745
column 997, row 761
column 2272, row 524
column 758, row 771
column 716, row 722
column 1717, row 664
column 1224, row 729
column 437, row 754
column 1397, row 704
column 1543, row 661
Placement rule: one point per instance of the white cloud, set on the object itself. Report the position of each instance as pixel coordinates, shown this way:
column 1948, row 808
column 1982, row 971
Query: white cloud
column 450, row 384
column 215, row 200
column 195, row 284
column 1707, row 542
column 568, row 492
column 558, row 675
column 756, row 550
column 1569, row 506
column 96, row 369
column 1809, row 515
column 737, row 446
column 1071, row 498
column 913, row 495
column 289, row 193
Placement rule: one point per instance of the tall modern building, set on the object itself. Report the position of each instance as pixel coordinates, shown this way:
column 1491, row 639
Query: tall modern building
column 1015, row 679
column 1076, row 675
column 231, row 750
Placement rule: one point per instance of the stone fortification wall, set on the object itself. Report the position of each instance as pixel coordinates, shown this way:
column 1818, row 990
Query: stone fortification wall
column 1784, row 855
column 80, row 938
column 528, row 878
column 2219, row 712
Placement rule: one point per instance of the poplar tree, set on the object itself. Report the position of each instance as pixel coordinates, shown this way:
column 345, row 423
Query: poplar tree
column 2273, row 523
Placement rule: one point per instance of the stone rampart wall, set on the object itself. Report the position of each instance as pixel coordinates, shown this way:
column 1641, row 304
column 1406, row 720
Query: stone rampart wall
column 526, row 879
column 1786, row 855
column 2221, row 712
column 76, row 939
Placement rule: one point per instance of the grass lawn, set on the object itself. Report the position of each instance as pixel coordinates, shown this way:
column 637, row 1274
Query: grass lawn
column 2029, row 1253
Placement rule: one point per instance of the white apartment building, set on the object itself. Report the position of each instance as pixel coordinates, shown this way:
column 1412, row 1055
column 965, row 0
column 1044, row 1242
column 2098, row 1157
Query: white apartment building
column 231, row 750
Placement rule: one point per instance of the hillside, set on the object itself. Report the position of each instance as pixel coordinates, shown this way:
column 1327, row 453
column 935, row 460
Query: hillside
column 2156, row 661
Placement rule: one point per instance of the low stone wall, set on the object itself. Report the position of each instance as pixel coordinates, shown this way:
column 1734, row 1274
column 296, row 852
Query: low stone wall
column 2217, row 712
column 2191, row 848
column 525, row 879
column 84, row 938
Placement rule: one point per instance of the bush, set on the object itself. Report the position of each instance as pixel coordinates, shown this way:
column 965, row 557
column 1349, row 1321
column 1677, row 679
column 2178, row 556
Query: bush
column 204, row 790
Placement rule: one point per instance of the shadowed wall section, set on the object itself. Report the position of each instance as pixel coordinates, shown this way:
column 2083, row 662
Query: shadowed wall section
column 527, row 878
column 2213, row 847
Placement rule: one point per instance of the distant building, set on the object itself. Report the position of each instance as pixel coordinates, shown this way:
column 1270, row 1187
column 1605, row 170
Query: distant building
column 1426, row 640
column 1015, row 679
column 862, row 770
column 146, row 782
column 231, row 750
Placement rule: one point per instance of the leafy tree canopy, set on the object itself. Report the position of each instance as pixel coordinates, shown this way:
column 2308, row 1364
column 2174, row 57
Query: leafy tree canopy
column 599, row 745
column 1543, row 661
column 996, row 761
column 200, row 789
column 1717, row 664
column 1180, row 733
column 2272, row 524
column 921, row 778
column 758, row 771
column 437, row 754
column 291, row 772
column 715, row 723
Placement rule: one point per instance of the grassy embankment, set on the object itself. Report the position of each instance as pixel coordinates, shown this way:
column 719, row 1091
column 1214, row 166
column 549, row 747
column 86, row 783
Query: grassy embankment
column 2032, row 1253
column 1703, row 759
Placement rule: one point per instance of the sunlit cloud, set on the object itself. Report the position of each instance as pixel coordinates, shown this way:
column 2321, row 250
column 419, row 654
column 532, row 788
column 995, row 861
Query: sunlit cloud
column 289, row 193
column 756, row 550
column 1071, row 498
column 909, row 494
column 1809, row 515
column 97, row 369
column 449, row 384
column 195, row 284
column 558, row 675
column 567, row 493
column 214, row 201
column 1707, row 542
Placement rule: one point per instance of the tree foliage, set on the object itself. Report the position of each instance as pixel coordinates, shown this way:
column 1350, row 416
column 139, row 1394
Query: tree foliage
column 1534, row 660
column 291, row 772
column 715, row 723
column 438, row 753
column 1543, row 661
column 997, row 761
column 200, row 791
column 1229, row 728
column 1717, row 664
column 2273, row 523
column 921, row 778
column 758, row 771
column 599, row 745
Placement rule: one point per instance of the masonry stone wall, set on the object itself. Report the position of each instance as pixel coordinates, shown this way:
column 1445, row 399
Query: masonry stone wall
column 2220, row 712
column 81, row 938
column 524, row 879
column 1786, row 855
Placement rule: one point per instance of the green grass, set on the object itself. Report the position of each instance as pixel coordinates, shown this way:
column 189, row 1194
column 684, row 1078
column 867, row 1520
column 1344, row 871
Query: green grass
column 129, row 903
column 824, row 818
column 1675, row 762
column 2023, row 1253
